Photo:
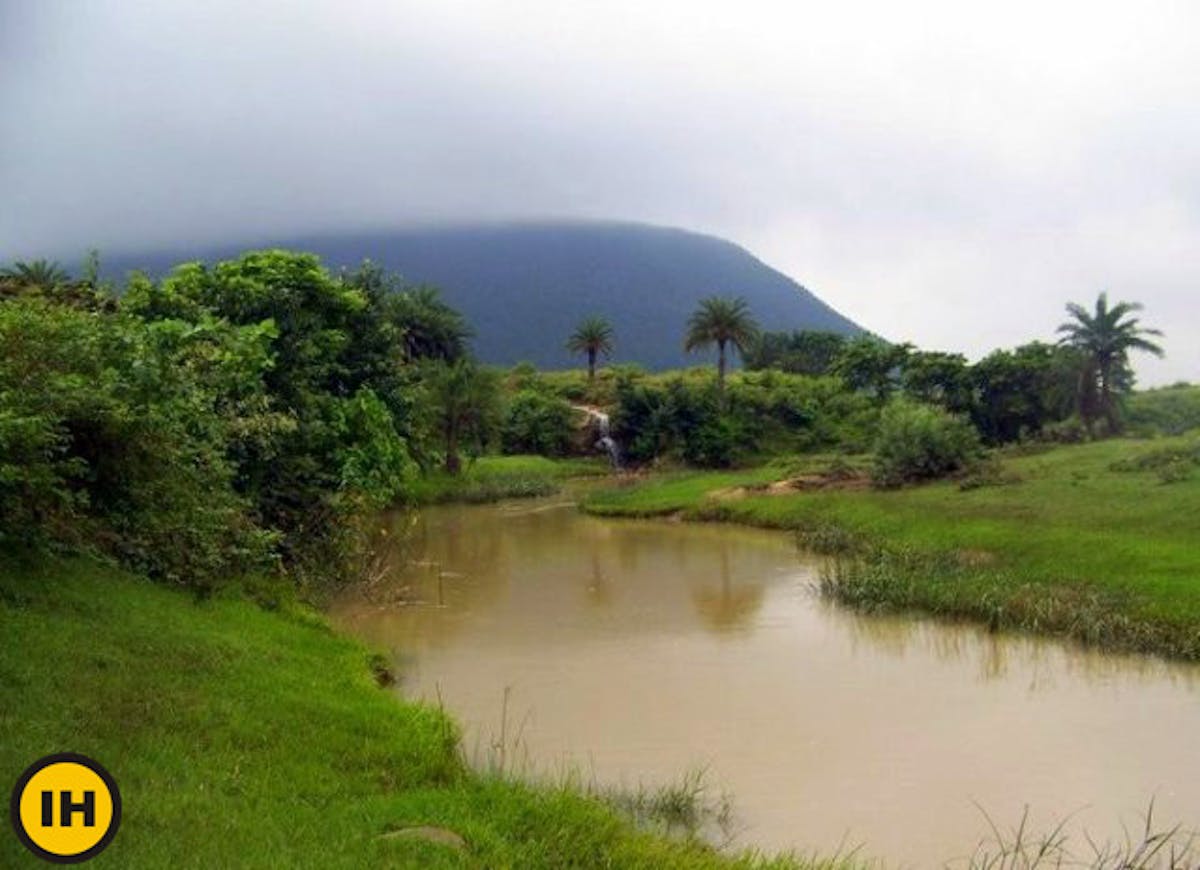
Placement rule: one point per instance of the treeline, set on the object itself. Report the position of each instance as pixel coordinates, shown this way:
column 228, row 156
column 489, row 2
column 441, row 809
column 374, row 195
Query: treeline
column 227, row 420
column 247, row 417
column 1036, row 389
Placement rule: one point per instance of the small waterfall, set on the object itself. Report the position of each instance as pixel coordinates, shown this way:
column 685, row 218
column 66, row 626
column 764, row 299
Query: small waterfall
column 605, row 441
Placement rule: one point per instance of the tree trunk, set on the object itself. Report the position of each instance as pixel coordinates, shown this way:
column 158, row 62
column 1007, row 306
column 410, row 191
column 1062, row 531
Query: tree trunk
column 591, row 366
column 453, row 462
column 1088, row 398
column 1107, row 403
column 721, row 366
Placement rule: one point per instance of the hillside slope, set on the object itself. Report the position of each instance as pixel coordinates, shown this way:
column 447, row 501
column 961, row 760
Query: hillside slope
column 525, row 285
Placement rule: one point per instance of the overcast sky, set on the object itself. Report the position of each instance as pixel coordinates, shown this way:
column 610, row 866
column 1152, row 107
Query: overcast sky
column 949, row 173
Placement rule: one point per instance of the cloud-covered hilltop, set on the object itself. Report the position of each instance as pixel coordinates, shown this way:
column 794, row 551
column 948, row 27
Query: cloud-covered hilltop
column 524, row 286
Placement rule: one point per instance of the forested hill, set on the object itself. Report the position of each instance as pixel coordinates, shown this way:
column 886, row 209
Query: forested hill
column 524, row 286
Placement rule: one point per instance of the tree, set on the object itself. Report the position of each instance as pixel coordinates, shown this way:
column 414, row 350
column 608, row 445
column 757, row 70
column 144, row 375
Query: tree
column 36, row 274
column 43, row 279
column 1017, row 392
column 593, row 336
column 721, row 321
column 466, row 401
column 870, row 363
column 937, row 378
column 802, row 352
column 322, row 450
column 1105, row 336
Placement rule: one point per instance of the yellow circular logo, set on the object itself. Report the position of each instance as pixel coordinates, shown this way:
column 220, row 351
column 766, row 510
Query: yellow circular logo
column 66, row 808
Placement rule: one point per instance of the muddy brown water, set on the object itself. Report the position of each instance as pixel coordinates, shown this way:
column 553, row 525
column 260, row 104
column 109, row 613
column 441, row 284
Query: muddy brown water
column 635, row 651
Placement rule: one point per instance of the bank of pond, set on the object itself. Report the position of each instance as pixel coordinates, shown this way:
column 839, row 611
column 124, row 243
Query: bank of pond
column 560, row 675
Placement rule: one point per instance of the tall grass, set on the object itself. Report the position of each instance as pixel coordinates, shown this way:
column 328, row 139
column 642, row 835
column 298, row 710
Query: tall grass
column 1081, row 541
column 1151, row 847
column 495, row 478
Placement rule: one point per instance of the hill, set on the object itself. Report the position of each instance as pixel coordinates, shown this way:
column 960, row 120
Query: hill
column 525, row 285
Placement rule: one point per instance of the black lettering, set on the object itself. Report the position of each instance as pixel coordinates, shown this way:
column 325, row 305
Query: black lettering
column 67, row 808
column 47, row 809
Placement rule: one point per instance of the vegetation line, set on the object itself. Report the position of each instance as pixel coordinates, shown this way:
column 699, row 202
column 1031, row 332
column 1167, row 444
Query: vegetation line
column 1090, row 542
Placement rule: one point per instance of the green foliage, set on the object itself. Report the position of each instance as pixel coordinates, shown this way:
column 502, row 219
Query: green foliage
column 466, row 404
column 248, row 412
column 1105, row 336
column 1068, row 431
column 115, row 434
column 715, row 443
column 1173, row 464
column 684, row 416
column 803, row 352
column 1072, row 548
column 492, row 478
column 310, row 479
column 42, row 275
column 42, row 279
column 206, row 709
column 593, row 337
column 921, row 442
column 374, row 460
column 1019, row 391
column 536, row 422
column 1165, row 411
column 938, row 379
column 721, row 321
column 872, row 365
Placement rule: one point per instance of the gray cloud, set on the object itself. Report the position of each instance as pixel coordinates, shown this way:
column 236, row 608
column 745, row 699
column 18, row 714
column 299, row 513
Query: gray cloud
column 945, row 174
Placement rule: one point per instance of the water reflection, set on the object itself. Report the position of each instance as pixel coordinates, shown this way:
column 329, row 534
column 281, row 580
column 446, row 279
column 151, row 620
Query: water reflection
column 728, row 607
column 639, row 650
column 1042, row 662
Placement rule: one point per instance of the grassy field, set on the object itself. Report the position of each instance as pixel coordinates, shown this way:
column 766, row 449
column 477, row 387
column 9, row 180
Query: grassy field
column 491, row 478
column 244, row 738
column 1066, row 544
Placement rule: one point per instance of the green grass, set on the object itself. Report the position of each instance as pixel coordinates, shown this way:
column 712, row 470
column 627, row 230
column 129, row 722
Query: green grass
column 245, row 738
column 671, row 492
column 1073, row 547
column 1168, row 410
column 492, row 478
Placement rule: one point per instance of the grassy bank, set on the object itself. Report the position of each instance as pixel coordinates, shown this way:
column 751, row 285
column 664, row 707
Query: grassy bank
column 243, row 738
column 1097, row 542
column 492, row 478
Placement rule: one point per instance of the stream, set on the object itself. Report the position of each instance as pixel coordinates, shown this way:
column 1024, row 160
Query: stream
column 637, row 651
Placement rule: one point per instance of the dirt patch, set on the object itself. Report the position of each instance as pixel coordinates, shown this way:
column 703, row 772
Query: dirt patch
column 802, row 483
column 969, row 558
column 441, row 836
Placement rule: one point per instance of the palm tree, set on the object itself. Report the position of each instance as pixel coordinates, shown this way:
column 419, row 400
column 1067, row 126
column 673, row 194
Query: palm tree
column 36, row 274
column 1105, row 337
column 593, row 336
column 465, row 399
column 721, row 321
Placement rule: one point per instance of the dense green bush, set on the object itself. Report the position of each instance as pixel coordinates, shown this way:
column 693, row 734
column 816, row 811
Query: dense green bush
column 333, row 343
column 242, row 416
column 113, row 437
column 537, row 423
column 1169, row 410
column 920, row 442
column 685, row 416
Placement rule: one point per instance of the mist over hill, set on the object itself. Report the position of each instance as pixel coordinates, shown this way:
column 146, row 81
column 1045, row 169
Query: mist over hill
column 524, row 286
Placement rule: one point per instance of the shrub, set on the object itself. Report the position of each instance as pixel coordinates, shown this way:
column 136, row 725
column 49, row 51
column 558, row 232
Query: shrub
column 1169, row 410
column 715, row 443
column 114, row 436
column 1069, row 431
column 537, row 423
column 1171, row 464
column 921, row 442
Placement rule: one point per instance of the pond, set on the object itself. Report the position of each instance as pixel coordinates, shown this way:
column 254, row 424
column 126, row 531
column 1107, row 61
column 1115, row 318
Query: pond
column 636, row 651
